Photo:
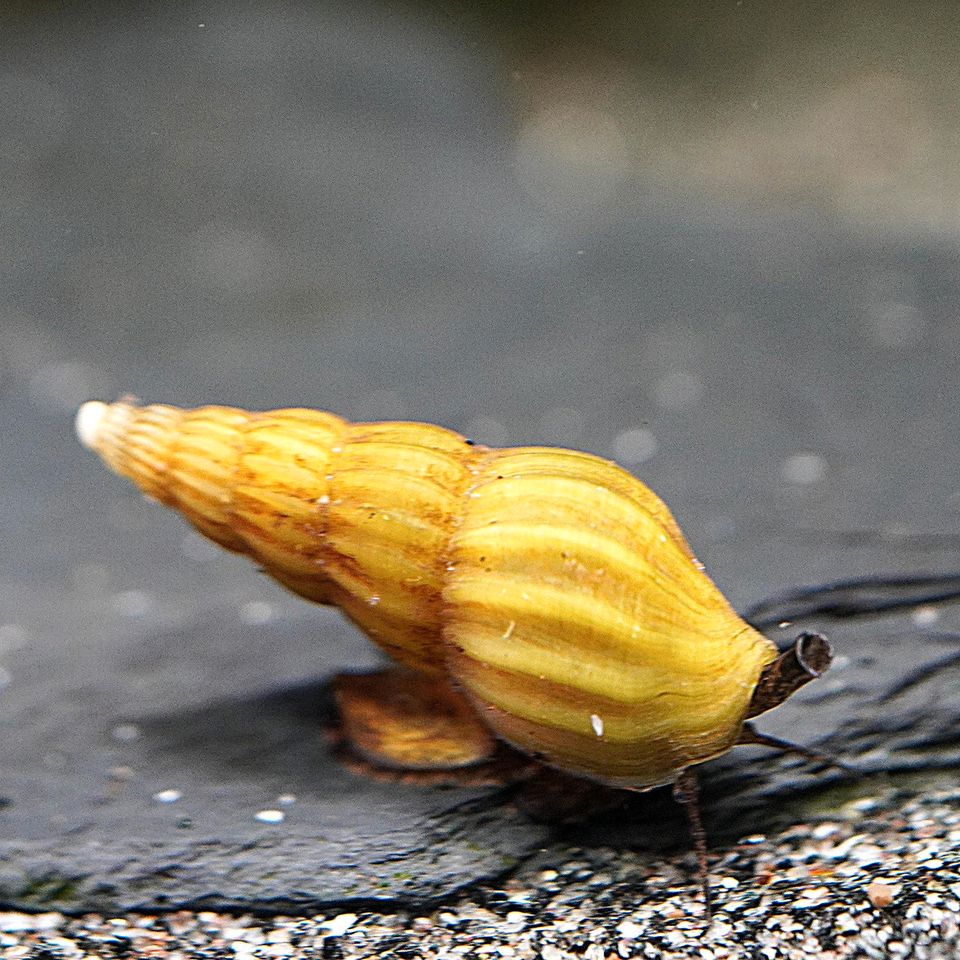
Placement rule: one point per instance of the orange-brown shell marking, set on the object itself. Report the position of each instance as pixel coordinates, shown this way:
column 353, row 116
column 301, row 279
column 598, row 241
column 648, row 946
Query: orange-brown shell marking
column 552, row 587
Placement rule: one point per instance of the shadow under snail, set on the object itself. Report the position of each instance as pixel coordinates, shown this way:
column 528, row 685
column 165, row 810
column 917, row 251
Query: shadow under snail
column 541, row 596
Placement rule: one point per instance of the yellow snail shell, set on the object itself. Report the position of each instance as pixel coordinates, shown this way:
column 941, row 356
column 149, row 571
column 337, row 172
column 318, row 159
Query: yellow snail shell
column 551, row 587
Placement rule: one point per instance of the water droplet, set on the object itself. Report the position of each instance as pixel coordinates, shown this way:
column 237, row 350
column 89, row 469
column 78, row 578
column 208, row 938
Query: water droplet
column 256, row 613
column 132, row 603
column 924, row 616
column 804, row 468
column 634, row 446
column 167, row 796
column 269, row 816
column 125, row 732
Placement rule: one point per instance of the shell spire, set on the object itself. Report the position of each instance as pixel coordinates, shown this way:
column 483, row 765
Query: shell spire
column 88, row 422
column 184, row 459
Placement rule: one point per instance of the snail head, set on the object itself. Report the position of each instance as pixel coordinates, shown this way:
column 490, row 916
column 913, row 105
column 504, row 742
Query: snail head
column 807, row 659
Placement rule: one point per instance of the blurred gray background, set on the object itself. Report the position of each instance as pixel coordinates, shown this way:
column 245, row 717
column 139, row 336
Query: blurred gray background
column 717, row 242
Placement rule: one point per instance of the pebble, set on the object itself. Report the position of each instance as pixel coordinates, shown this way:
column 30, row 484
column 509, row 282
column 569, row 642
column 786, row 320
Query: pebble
column 630, row 930
column 18, row 922
column 880, row 893
column 340, row 924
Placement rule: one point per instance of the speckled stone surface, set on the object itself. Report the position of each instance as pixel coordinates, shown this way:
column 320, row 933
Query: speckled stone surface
column 335, row 207
column 877, row 879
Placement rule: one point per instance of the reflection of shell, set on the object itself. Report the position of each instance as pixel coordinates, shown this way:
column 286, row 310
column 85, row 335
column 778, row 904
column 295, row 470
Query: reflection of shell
column 551, row 586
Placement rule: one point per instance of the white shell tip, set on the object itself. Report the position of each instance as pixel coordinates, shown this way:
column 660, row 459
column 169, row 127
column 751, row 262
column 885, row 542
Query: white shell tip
column 87, row 424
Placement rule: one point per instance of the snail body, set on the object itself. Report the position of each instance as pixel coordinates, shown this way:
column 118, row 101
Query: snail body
column 550, row 587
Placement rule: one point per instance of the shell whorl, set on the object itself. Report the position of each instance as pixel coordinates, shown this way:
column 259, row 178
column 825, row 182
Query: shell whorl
column 352, row 514
column 553, row 587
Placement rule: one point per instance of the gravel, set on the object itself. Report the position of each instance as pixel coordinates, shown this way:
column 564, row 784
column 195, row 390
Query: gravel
column 878, row 879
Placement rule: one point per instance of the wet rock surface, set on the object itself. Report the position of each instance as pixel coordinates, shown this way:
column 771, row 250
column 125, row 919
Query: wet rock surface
column 245, row 209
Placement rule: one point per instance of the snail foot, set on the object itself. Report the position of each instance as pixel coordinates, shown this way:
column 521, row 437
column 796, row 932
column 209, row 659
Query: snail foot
column 400, row 720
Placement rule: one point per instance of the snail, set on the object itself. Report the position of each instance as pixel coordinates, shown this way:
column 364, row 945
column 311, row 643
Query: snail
column 538, row 596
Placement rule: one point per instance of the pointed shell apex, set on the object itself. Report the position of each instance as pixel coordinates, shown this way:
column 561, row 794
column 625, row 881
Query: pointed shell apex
column 88, row 421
